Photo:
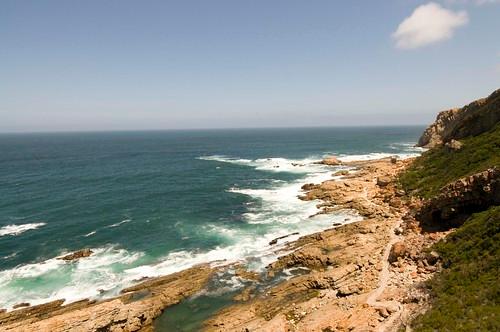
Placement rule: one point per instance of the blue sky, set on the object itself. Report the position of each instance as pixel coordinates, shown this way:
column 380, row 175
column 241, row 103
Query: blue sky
column 118, row 65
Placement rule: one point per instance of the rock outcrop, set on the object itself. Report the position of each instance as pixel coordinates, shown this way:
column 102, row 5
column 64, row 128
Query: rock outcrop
column 77, row 255
column 470, row 120
column 459, row 199
column 134, row 310
column 330, row 161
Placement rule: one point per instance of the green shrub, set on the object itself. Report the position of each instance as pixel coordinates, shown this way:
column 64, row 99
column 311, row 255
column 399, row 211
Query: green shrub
column 440, row 166
column 466, row 294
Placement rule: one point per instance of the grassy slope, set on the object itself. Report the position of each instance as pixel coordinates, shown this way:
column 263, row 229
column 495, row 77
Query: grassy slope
column 466, row 295
column 438, row 167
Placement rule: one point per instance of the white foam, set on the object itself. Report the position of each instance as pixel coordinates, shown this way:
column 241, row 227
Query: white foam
column 90, row 234
column 119, row 223
column 18, row 229
column 275, row 212
column 57, row 279
column 306, row 165
column 375, row 156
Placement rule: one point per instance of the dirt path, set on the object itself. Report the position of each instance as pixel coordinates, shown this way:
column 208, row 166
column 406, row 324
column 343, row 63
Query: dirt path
column 384, row 277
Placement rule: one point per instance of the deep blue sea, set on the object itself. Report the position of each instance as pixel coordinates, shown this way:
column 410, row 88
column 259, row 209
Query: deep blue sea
column 152, row 203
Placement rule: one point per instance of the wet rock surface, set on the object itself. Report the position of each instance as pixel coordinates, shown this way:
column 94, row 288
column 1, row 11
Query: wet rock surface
column 134, row 310
column 349, row 284
column 77, row 255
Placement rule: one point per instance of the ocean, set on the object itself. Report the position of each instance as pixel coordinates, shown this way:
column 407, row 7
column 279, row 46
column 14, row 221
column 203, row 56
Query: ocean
column 153, row 203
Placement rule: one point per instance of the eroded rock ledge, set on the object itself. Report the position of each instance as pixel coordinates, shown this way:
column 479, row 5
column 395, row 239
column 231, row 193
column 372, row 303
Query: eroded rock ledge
column 135, row 310
column 460, row 199
column 347, row 282
column 470, row 120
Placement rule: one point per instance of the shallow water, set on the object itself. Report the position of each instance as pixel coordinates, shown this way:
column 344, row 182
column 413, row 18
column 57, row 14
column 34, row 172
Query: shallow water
column 152, row 203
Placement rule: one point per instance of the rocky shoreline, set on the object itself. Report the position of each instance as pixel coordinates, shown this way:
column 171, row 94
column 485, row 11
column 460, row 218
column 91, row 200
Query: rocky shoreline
column 364, row 276
column 359, row 276
column 134, row 310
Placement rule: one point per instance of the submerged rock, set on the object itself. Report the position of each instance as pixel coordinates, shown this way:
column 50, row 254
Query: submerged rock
column 77, row 255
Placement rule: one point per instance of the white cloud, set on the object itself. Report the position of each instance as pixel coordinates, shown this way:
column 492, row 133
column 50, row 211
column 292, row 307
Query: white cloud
column 428, row 24
column 473, row 2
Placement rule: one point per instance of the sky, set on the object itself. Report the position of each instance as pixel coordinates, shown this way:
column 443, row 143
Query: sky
column 137, row 65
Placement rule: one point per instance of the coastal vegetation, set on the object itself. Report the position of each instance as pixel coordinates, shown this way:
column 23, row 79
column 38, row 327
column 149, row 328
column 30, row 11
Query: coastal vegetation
column 442, row 165
column 466, row 293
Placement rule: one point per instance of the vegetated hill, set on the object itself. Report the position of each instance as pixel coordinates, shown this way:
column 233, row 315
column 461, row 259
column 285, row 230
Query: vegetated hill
column 442, row 165
column 466, row 294
column 458, row 178
column 470, row 120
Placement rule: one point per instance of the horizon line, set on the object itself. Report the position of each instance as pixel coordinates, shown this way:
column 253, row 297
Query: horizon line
column 83, row 131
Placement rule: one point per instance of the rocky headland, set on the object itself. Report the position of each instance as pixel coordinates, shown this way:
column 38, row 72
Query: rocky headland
column 458, row 123
column 377, row 274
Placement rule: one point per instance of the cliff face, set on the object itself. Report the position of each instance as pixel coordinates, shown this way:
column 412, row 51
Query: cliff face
column 459, row 199
column 470, row 120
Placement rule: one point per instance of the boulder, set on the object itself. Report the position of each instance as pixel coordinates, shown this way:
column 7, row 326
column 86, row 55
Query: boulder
column 77, row 255
column 330, row 161
column 453, row 145
column 398, row 250
column 309, row 186
column 432, row 257
column 383, row 181
column 20, row 305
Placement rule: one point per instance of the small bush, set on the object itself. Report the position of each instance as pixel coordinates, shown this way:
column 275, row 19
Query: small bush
column 440, row 166
column 466, row 294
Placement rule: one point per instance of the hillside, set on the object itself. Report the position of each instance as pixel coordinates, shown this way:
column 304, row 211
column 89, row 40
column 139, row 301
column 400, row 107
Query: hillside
column 466, row 293
column 458, row 123
column 458, row 182
column 442, row 165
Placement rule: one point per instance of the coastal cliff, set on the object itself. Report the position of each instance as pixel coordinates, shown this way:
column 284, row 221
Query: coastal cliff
column 457, row 123
column 458, row 184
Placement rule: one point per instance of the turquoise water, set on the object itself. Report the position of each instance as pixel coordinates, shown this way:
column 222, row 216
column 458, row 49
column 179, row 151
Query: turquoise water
column 151, row 203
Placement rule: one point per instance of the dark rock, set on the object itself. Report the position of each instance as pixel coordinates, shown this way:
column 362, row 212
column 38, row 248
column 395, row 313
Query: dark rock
column 77, row 255
column 432, row 257
column 20, row 305
column 461, row 198
column 309, row 186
